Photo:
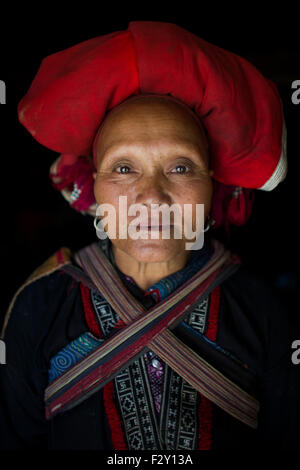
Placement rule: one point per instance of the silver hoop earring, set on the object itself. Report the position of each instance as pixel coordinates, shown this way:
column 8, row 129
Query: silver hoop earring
column 96, row 221
column 210, row 222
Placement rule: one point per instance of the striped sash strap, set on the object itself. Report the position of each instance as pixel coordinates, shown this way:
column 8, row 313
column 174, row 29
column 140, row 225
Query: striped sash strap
column 146, row 330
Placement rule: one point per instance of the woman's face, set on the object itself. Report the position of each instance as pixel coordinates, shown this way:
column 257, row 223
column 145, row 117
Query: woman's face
column 152, row 151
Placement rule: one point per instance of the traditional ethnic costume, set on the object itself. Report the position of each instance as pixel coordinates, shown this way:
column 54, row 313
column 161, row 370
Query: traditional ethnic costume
column 201, row 360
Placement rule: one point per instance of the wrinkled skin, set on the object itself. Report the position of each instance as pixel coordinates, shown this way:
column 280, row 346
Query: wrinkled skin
column 153, row 151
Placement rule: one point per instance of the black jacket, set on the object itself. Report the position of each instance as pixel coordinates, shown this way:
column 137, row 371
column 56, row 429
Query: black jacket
column 48, row 314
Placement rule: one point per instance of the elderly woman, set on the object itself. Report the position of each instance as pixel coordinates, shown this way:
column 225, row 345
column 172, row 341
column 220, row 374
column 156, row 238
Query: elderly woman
column 138, row 342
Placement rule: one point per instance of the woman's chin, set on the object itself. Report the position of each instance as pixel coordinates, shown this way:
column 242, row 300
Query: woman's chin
column 153, row 251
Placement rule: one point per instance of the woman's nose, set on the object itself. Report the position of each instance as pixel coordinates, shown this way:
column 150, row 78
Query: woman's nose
column 152, row 190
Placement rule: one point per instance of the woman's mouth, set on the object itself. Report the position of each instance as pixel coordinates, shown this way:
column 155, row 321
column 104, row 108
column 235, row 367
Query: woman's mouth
column 155, row 227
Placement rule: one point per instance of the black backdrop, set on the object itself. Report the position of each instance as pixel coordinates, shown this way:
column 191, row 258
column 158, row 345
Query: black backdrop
column 36, row 220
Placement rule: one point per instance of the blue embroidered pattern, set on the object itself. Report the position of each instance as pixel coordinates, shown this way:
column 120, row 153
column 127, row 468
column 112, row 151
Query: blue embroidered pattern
column 161, row 289
column 216, row 346
column 72, row 353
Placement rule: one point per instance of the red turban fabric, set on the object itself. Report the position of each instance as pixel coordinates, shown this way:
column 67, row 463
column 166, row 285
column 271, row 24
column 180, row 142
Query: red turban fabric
column 74, row 89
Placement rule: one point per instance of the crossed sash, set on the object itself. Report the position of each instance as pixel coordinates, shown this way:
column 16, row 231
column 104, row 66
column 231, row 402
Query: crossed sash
column 149, row 330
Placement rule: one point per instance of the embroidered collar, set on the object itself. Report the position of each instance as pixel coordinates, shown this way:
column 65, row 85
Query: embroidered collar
column 161, row 289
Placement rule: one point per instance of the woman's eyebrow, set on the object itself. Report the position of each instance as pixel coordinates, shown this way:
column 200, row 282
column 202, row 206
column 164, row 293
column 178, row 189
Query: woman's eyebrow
column 180, row 146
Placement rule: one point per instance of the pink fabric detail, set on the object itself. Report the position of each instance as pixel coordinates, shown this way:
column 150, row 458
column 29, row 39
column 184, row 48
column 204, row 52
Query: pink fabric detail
column 67, row 159
column 231, row 205
column 75, row 172
column 59, row 256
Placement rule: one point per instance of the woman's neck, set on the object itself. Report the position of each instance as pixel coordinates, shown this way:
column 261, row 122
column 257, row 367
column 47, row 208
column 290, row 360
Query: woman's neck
column 145, row 274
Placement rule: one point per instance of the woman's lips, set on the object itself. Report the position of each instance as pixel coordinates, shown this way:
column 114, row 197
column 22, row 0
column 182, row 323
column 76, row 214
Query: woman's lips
column 155, row 227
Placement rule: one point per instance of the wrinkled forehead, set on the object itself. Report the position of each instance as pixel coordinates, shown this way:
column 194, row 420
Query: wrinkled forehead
column 141, row 97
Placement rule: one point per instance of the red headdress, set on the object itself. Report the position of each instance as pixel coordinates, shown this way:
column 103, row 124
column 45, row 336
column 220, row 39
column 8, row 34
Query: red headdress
column 240, row 109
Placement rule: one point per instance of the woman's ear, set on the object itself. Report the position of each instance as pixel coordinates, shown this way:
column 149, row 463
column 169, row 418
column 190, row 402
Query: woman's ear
column 94, row 175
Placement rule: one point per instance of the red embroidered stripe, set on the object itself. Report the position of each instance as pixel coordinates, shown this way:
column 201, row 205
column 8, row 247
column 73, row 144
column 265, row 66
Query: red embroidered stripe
column 205, row 407
column 212, row 328
column 117, row 435
column 89, row 311
column 113, row 417
column 205, row 422
column 120, row 323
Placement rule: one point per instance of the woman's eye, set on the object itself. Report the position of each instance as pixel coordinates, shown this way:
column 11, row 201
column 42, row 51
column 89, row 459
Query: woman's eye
column 181, row 169
column 122, row 169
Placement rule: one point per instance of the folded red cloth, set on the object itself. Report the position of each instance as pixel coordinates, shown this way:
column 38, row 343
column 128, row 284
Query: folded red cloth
column 240, row 109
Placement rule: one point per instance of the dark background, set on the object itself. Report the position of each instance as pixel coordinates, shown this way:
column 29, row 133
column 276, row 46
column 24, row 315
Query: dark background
column 36, row 220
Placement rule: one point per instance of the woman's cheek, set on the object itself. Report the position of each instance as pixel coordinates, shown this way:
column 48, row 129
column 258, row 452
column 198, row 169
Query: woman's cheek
column 105, row 192
column 204, row 197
